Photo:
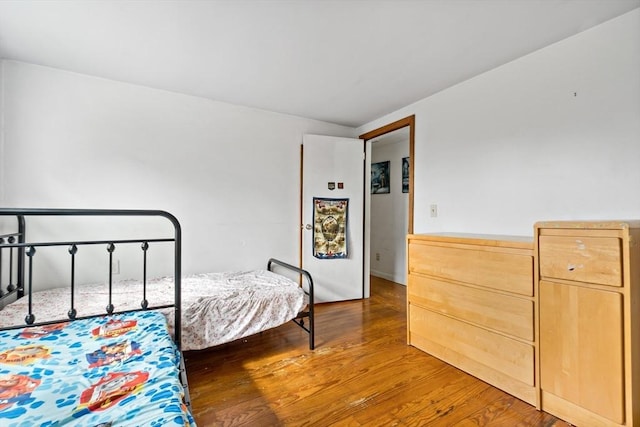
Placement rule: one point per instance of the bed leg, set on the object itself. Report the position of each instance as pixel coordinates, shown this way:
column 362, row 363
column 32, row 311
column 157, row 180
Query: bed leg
column 312, row 344
column 185, row 382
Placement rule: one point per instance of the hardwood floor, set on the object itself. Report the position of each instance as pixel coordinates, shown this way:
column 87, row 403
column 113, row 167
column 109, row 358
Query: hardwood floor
column 362, row 373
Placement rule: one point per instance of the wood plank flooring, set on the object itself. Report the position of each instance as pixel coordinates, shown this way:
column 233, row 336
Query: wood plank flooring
column 362, row 373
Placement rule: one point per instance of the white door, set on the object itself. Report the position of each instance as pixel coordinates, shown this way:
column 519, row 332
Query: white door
column 333, row 172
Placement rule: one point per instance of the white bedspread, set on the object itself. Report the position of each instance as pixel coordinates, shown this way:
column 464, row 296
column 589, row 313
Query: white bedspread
column 216, row 307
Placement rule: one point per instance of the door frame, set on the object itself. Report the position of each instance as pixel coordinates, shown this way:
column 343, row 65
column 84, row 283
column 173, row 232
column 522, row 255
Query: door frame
column 399, row 124
column 409, row 121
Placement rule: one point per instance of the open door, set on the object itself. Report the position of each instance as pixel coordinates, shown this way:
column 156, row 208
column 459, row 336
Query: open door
column 333, row 216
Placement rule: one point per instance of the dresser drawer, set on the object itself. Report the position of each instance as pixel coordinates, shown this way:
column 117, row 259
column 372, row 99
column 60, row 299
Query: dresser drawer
column 493, row 268
column 584, row 259
column 509, row 314
column 502, row 354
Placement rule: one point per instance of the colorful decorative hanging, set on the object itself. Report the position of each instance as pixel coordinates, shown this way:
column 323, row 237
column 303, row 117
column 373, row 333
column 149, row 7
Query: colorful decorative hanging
column 330, row 228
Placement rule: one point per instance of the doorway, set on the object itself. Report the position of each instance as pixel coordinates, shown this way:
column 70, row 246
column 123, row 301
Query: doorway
column 385, row 248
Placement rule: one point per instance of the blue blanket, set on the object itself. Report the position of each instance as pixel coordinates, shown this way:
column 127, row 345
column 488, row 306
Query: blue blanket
column 106, row 371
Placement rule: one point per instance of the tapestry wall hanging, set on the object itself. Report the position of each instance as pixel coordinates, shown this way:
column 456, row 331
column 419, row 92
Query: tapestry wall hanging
column 330, row 228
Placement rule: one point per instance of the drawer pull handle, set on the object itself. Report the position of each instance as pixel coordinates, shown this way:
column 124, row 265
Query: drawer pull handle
column 572, row 267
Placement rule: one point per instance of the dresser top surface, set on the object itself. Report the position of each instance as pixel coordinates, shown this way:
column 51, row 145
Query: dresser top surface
column 591, row 224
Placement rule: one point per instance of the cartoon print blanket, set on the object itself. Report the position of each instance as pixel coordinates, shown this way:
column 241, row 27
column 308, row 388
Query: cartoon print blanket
column 106, row 371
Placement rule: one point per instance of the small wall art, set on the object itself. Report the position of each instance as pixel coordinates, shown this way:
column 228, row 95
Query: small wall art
column 405, row 174
column 380, row 177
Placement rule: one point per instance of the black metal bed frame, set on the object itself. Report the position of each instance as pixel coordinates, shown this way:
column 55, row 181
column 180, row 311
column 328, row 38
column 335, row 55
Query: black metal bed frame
column 18, row 284
column 309, row 312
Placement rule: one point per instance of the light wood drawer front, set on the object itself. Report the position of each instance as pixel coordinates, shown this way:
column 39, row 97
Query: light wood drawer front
column 505, row 355
column 511, row 315
column 494, row 269
column 583, row 259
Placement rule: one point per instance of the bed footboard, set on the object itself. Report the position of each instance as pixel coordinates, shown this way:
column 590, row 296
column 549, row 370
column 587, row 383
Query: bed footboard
column 309, row 312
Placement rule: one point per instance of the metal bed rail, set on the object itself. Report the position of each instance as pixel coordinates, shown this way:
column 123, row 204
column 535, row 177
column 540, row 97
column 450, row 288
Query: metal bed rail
column 309, row 313
column 15, row 275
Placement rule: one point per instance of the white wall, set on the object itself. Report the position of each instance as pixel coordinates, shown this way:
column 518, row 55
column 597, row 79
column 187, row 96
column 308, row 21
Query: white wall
column 553, row 135
column 389, row 216
column 230, row 174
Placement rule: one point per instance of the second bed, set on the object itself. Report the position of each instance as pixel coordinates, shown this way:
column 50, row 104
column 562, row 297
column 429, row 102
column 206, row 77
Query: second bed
column 216, row 307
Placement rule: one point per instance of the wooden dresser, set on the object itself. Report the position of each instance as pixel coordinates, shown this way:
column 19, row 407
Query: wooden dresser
column 589, row 281
column 471, row 303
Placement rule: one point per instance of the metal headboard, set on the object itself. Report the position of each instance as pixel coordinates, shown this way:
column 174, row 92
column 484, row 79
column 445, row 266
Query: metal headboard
column 26, row 250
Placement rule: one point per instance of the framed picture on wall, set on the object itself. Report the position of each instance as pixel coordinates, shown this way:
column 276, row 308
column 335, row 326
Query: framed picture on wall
column 405, row 174
column 380, row 177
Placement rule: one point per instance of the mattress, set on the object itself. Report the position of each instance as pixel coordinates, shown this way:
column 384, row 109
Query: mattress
column 117, row 370
column 216, row 307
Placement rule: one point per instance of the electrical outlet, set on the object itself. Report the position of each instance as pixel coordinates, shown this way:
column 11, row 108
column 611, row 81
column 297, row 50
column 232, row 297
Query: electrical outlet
column 377, row 256
column 433, row 211
column 115, row 266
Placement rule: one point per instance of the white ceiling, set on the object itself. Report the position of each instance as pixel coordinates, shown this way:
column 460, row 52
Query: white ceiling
column 347, row 62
